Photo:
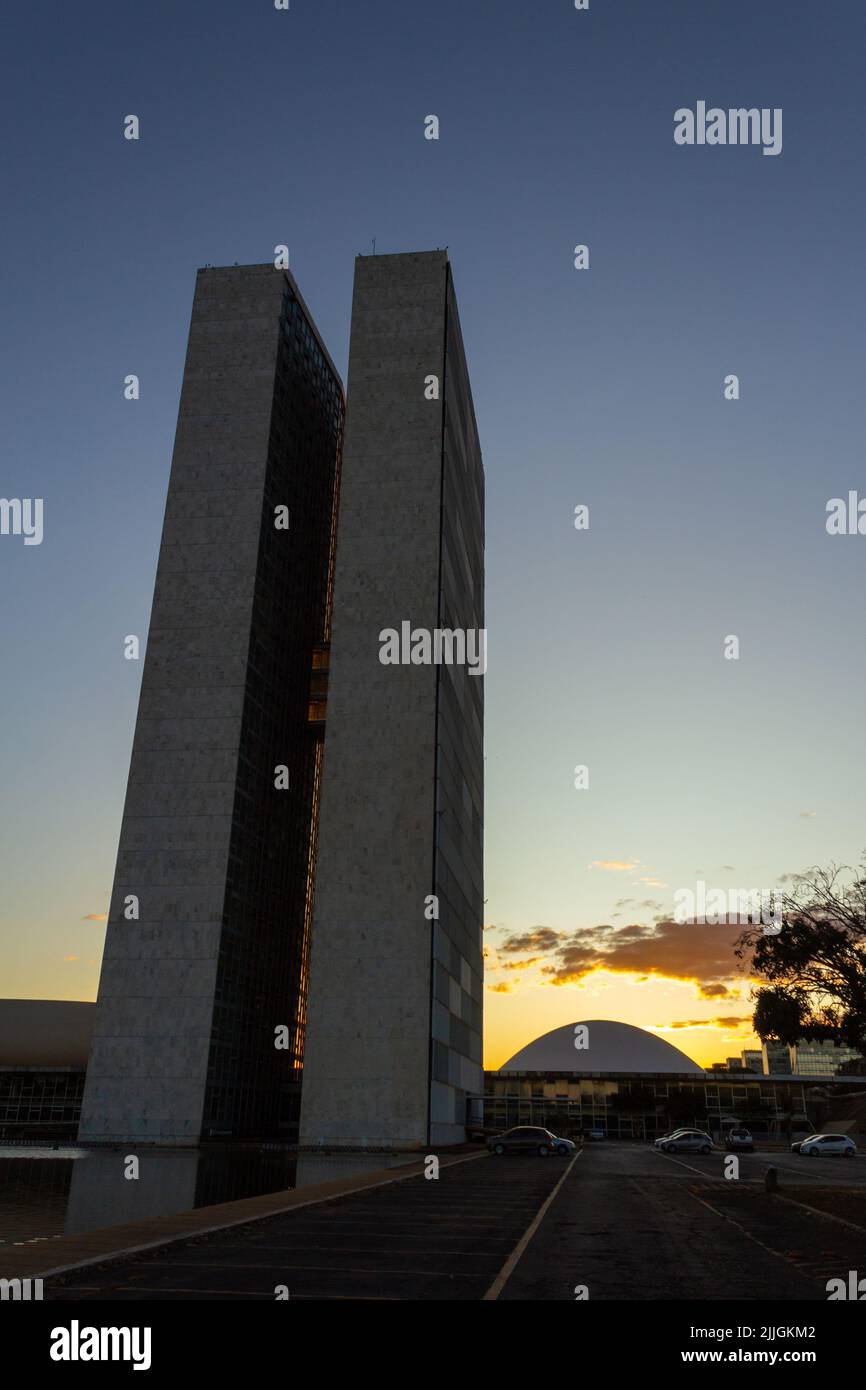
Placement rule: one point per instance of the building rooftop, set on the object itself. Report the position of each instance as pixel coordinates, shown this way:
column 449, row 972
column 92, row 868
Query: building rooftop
column 611, row 1047
column 45, row 1032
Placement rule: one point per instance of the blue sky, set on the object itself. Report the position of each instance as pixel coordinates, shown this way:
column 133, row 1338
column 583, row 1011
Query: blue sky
column 601, row 387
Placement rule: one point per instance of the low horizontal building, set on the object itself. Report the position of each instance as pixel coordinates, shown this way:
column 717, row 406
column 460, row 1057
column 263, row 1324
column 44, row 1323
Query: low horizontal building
column 632, row 1084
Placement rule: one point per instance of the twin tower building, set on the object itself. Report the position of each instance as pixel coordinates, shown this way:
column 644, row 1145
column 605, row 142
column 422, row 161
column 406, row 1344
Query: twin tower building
column 294, row 941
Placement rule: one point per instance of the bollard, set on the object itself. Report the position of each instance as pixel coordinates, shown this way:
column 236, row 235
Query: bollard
column 771, row 1179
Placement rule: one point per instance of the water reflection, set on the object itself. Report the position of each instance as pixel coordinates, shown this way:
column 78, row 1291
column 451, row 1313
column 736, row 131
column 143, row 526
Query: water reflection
column 105, row 1192
column 46, row 1192
column 34, row 1189
column 63, row 1191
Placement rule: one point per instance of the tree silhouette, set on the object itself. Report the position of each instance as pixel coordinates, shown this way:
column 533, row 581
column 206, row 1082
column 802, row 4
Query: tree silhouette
column 815, row 966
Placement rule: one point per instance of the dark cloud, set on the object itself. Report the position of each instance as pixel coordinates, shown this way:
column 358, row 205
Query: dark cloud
column 537, row 939
column 721, row 1021
column 716, row 991
column 701, row 955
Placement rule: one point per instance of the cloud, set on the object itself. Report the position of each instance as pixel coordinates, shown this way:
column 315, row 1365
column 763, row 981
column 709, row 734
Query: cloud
column 652, row 882
column 808, row 815
column 723, row 1021
column 699, row 955
column 520, row 964
column 728, row 868
column 537, row 939
column 716, row 991
column 95, row 917
column 647, row 904
column 504, row 988
column 614, row 866
column 71, row 957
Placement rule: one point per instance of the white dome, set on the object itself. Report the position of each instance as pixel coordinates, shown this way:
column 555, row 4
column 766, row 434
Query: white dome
column 611, row 1047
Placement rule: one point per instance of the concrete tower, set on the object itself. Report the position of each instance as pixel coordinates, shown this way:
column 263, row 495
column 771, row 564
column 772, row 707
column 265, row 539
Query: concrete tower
column 395, row 1009
column 207, row 946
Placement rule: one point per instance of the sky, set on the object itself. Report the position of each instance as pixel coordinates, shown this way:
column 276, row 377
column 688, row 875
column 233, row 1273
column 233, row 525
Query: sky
column 601, row 387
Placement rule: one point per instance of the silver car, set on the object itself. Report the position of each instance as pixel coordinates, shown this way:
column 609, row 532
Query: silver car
column 672, row 1134
column 818, row 1144
column 523, row 1139
column 739, row 1139
column 664, row 1138
column 688, row 1141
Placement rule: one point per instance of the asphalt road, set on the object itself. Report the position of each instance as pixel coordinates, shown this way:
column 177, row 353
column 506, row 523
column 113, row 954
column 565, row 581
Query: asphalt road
column 443, row 1238
column 832, row 1171
column 632, row 1223
column 621, row 1220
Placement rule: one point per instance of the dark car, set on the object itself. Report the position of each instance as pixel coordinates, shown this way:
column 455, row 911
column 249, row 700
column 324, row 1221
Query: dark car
column 525, row 1139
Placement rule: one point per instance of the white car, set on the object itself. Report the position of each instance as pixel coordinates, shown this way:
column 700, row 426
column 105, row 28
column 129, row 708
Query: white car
column 666, row 1138
column 739, row 1139
column 563, row 1146
column 689, row 1141
column 663, row 1138
column 818, row 1144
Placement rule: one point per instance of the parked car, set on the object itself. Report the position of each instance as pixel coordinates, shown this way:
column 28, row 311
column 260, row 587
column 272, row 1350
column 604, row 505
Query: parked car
column 563, row 1146
column 524, row 1139
column 663, row 1138
column 818, row 1144
column 688, row 1141
column 666, row 1138
column 739, row 1139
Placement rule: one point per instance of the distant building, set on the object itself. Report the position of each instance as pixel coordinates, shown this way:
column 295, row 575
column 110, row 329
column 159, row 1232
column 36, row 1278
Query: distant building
column 752, row 1059
column 820, row 1058
column 806, row 1058
column 776, row 1059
